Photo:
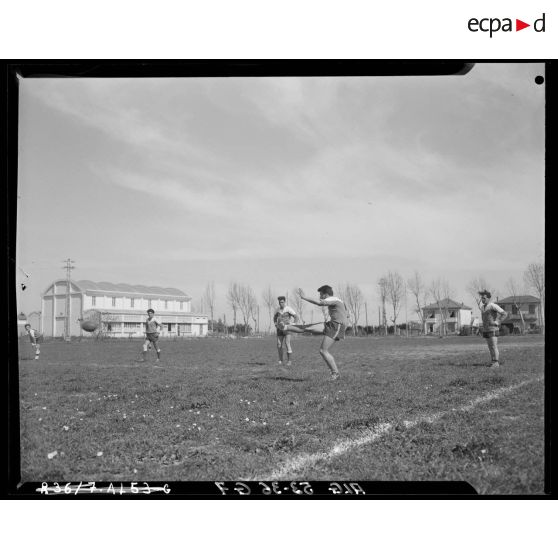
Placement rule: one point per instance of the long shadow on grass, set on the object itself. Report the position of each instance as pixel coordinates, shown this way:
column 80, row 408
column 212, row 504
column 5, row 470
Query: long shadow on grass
column 460, row 364
column 278, row 378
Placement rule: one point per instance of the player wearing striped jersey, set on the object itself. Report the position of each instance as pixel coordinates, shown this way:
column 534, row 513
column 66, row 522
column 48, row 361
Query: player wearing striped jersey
column 152, row 329
column 284, row 315
column 334, row 327
column 492, row 316
column 35, row 337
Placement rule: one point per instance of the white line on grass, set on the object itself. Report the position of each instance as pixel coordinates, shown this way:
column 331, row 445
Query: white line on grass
column 304, row 460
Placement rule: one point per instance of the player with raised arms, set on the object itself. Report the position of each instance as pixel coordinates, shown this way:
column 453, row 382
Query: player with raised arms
column 35, row 337
column 152, row 329
column 284, row 315
column 334, row 327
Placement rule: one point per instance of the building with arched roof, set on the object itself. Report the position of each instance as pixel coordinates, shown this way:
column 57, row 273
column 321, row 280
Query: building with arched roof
column 119, row 308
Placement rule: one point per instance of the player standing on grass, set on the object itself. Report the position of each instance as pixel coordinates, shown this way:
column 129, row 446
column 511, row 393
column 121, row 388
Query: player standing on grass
column 284, row 315
column 152, row 329
column 492, row 316
column 334, row 327
column 35, row 337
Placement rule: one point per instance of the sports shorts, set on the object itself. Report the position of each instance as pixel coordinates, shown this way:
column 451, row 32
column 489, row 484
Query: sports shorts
column 491, row 333
column 334, row 330
column 152, row 337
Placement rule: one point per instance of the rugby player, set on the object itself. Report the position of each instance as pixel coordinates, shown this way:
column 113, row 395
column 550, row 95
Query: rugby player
column 35, row 337
column 334, row 327
column 152, row 329
column 284, row 315
column 492, row 316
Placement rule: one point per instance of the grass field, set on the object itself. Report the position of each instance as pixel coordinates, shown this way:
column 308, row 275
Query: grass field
column 216, row 409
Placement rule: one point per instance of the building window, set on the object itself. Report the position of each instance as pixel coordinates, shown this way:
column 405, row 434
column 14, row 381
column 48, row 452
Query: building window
column 431, row 315
column 532, row 309
column 149, row 303
column 132, row 300
column 166, row 304
column 452, row 314
column 113, row 301
column 181, row 306
column 186, row 328
column 93, row 300
column 515, row 309
column 169, row 328
column 131, row 325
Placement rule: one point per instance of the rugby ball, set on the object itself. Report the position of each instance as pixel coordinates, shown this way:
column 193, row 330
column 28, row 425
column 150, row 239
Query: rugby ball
column 89, row 326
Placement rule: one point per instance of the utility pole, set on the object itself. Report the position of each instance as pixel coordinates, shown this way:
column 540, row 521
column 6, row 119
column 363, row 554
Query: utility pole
column 68, row 267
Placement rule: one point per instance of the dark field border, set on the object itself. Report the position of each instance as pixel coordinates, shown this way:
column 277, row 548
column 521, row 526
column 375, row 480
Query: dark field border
column 253, row 489
column 157, row 68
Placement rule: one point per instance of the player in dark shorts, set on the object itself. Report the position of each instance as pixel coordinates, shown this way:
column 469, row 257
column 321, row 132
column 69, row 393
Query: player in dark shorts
column 492, row 316
column 334, row 327
column 152, row 329
column 35, row 337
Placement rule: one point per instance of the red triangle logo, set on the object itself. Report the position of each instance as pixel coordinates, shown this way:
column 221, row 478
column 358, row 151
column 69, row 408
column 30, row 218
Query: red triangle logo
column 519, row 25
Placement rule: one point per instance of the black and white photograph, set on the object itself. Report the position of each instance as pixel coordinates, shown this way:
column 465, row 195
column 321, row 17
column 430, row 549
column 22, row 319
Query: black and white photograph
column 281, row 283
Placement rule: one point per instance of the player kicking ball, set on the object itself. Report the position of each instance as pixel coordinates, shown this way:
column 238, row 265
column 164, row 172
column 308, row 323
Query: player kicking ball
column 35, row 337
column 334, row 328
column 152, row 329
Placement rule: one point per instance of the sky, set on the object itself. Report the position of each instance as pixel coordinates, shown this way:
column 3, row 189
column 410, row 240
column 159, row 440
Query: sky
column 281, row 182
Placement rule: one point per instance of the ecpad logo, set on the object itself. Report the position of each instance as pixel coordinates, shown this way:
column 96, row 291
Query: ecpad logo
column 494, row 24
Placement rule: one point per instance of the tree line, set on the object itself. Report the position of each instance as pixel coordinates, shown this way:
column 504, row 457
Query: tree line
column 393, row 291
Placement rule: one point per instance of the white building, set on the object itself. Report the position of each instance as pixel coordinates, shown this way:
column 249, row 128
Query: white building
column 455, row 314
column 121, row 307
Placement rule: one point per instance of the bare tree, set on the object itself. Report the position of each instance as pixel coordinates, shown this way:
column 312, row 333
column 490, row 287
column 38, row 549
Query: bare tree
column 354, row 299
column 420, row 292
column 395, row 291
column 534, row 279
column 233, row 298
column 209, row 297
column 477, row 284
column 246, row 302
column 298, row 304
column 440, row 291
column 270, row 303
column 255, row 314
column 513, row 289
column 382, row 291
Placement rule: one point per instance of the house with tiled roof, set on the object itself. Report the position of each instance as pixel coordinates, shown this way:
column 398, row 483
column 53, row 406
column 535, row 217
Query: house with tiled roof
column 530, row 308
column 119, row 308
column 446, row 314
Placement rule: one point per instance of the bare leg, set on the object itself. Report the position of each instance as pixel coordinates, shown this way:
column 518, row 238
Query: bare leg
column 294, row 328
column 144, row 352
column 289, row 348
column 156, row 347
column 492, row 343
column 327, row 342
column 280, row 348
